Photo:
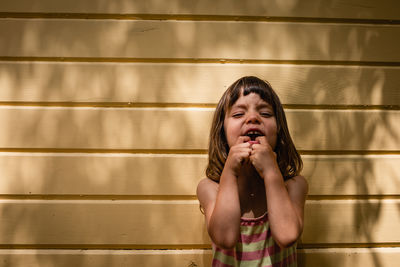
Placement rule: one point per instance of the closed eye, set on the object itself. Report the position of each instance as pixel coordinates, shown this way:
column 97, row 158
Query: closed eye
column 266, row 114
column 237, row 115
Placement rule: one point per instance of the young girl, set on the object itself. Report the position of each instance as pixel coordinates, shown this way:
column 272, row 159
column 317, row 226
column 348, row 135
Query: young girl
column 253, row 197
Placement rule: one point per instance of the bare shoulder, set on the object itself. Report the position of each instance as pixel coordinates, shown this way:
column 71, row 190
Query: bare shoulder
column 298, row 181
column 207, row 191
column 297, row 186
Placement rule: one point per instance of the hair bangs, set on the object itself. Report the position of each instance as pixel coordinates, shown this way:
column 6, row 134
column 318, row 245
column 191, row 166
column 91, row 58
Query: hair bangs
column 249, row 85
column 262, row 92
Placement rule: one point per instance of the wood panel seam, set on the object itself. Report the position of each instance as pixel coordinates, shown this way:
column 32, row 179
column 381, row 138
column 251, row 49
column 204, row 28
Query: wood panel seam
column 179, row 247
column 183, row 105
column 167, row 198
column 201, row 61
column 192, row 17
column 185, row 151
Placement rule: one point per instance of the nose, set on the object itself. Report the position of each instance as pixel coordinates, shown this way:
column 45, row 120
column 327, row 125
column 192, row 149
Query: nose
column 253, row 117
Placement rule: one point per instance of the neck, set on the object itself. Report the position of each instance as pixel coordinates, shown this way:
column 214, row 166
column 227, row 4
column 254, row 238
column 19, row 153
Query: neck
column 251, row 193
column 249, row 181
column 249, row 174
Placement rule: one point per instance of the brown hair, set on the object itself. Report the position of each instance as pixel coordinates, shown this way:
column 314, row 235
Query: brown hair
column 289, row 160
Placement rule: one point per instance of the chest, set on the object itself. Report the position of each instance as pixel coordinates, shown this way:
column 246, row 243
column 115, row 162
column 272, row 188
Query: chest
column 253, row 206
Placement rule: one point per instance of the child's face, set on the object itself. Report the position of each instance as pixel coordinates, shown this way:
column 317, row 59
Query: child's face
column 251, row 116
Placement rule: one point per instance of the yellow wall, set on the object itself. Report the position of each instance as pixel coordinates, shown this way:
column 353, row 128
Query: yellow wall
column 105, row 108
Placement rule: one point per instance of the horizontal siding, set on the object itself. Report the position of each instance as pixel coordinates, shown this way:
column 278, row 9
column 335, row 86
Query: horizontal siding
column 345, row 257
column 131, row 85
column 349, row 257
column 133, row 175
column 188, row 83
column 198, row 40
column 367, row 9
column 186, row 128
column 68, row 223
column 352, row 175
column 105, row 258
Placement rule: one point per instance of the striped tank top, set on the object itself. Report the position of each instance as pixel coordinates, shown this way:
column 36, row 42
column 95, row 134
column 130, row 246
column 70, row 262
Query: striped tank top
column 255, row 247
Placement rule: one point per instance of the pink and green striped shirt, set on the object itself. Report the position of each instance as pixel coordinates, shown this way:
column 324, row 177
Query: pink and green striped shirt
column 255, row 248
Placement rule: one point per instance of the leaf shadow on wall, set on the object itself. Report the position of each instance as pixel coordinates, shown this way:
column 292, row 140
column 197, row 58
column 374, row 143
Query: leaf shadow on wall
column 102, row 151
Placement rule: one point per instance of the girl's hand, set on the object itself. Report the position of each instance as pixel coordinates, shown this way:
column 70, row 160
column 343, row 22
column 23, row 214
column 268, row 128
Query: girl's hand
column 263, row 157
column 238, row 153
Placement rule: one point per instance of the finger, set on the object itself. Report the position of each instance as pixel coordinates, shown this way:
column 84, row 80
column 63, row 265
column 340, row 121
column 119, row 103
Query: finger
column 243, row 152
column 254, row 144
column 244, row 157
column 243, row 146
column 243, row 139
column 262, row 139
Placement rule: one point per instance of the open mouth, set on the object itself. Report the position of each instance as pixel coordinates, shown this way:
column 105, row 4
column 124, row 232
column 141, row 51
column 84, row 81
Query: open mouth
column 254, row 134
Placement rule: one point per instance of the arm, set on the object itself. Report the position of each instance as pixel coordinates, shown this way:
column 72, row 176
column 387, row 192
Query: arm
column 221, row 201
column 286, row 207
column 221, row 209
column 285, row 202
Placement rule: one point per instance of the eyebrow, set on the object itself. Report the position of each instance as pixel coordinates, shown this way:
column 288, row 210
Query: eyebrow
column 260, row 106
column 266, row 105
